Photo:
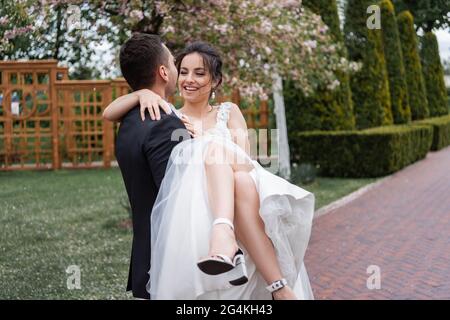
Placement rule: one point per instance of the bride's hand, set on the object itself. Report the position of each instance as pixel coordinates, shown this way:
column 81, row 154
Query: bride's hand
column 151, row 101
column 190, row 127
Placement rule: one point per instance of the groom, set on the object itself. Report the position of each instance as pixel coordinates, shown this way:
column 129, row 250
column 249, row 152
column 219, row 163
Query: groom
column 143, row 147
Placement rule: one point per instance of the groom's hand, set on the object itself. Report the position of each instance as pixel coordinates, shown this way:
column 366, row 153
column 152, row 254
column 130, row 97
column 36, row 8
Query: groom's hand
column 193, row 131
column 150, row 101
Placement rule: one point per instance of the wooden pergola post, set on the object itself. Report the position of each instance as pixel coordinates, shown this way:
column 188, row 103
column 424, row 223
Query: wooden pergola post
column 56, row 163
column 236, row 97
column 107, row 130
column 8, row 119
column 263, row 115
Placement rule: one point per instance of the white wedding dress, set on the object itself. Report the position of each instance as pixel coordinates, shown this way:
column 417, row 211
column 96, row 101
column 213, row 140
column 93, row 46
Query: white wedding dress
column 181, row 223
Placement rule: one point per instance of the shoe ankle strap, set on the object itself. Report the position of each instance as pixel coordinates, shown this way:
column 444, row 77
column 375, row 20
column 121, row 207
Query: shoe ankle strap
column 224, row 221
column 276, row 285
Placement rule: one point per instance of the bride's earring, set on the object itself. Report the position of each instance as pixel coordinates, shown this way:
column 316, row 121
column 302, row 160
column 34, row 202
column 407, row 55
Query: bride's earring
column 213, row 95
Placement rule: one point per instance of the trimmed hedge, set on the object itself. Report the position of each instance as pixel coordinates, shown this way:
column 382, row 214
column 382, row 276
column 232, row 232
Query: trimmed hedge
column 441, row 131
column 367, row 153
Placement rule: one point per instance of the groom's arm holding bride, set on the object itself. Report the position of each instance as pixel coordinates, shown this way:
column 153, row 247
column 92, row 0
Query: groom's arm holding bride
column 148, row 101
column 145, row 98
column 160, row 136
column 152, row 102
column 159, row 142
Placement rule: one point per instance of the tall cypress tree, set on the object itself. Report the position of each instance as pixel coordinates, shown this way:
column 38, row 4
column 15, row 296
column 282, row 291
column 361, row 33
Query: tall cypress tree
column 394, row 61
column 370, row 87
column 326, row 109
column 434, row 75
column 413, row 67
column 428, row 15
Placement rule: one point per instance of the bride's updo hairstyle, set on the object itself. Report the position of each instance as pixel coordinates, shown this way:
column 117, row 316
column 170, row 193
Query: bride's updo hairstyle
column 211, row 60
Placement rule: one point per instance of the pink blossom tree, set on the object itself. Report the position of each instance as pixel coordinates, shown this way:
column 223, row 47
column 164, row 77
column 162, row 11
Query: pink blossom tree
column 262, row 42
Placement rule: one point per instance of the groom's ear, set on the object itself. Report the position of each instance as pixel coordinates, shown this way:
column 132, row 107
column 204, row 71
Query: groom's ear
column 163, row 72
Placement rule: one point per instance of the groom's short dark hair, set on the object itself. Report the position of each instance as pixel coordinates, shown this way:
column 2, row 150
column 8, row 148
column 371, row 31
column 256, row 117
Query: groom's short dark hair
column 140, row 58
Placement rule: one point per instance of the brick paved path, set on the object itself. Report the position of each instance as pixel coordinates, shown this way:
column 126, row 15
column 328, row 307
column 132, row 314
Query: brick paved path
column 402, row 225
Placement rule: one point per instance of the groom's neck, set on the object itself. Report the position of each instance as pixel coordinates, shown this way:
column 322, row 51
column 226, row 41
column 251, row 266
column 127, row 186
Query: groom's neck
column 159, row 90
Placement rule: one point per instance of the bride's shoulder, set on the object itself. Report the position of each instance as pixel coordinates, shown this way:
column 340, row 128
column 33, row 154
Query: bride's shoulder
column 228, row 106
column 229, row 110
column 235, row 115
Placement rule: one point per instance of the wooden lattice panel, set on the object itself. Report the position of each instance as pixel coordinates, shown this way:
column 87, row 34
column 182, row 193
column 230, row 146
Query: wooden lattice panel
column 84, row 138
column 2, row 124
column 25, row 117
column 47, row 121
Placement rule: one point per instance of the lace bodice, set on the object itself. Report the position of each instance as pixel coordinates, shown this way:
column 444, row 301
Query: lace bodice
column 221, row 128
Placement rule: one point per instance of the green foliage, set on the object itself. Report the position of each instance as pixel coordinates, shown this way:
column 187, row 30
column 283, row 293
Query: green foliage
column 328, row 11
column 367, row 153
column 369, row 86
column 84, row 72
column 446, row 66
column 433, row 73
column 304, row 174
column 394, row 63
column 441, row 131
column 14, row 18
column 448, row 99
column 326, row 109
column 413, row 67
column 428, row 14
column 67, row 31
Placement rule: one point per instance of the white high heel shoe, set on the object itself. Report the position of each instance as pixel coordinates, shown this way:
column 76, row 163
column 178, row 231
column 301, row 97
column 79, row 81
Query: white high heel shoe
column 220, row 263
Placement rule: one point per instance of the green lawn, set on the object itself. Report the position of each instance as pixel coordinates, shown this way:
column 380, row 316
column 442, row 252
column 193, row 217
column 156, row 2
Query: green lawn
column 327, row 190
column 51, row 220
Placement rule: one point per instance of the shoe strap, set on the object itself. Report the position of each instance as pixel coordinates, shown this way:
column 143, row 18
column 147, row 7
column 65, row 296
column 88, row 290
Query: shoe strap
column 276, row 285
column 224, row 258
column 224, row 221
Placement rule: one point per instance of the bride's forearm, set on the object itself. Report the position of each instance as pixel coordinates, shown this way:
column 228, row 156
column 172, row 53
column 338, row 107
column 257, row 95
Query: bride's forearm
column 119, row 107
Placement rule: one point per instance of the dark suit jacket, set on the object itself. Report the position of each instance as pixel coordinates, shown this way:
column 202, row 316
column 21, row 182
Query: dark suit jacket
column 142, row 150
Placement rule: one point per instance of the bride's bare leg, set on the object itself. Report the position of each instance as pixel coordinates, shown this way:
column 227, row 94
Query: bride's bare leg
column 250, row 231
column 220, row 183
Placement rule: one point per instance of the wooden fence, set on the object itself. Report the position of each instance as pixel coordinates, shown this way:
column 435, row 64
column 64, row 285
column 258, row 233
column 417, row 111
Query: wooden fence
column 50, row 122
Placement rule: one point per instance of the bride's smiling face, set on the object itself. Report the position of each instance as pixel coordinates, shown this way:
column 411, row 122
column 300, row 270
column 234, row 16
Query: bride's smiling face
column 194, row 79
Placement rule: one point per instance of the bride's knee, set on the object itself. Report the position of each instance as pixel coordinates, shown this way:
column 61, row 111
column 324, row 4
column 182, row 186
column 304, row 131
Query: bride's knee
column 215, row 154
column 243, row 183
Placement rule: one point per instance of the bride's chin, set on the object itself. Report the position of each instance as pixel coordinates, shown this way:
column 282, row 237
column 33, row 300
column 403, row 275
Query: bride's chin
column 192, row 99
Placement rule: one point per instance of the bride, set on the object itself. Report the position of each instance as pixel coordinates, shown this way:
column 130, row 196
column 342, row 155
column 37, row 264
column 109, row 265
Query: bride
column 217, row 210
